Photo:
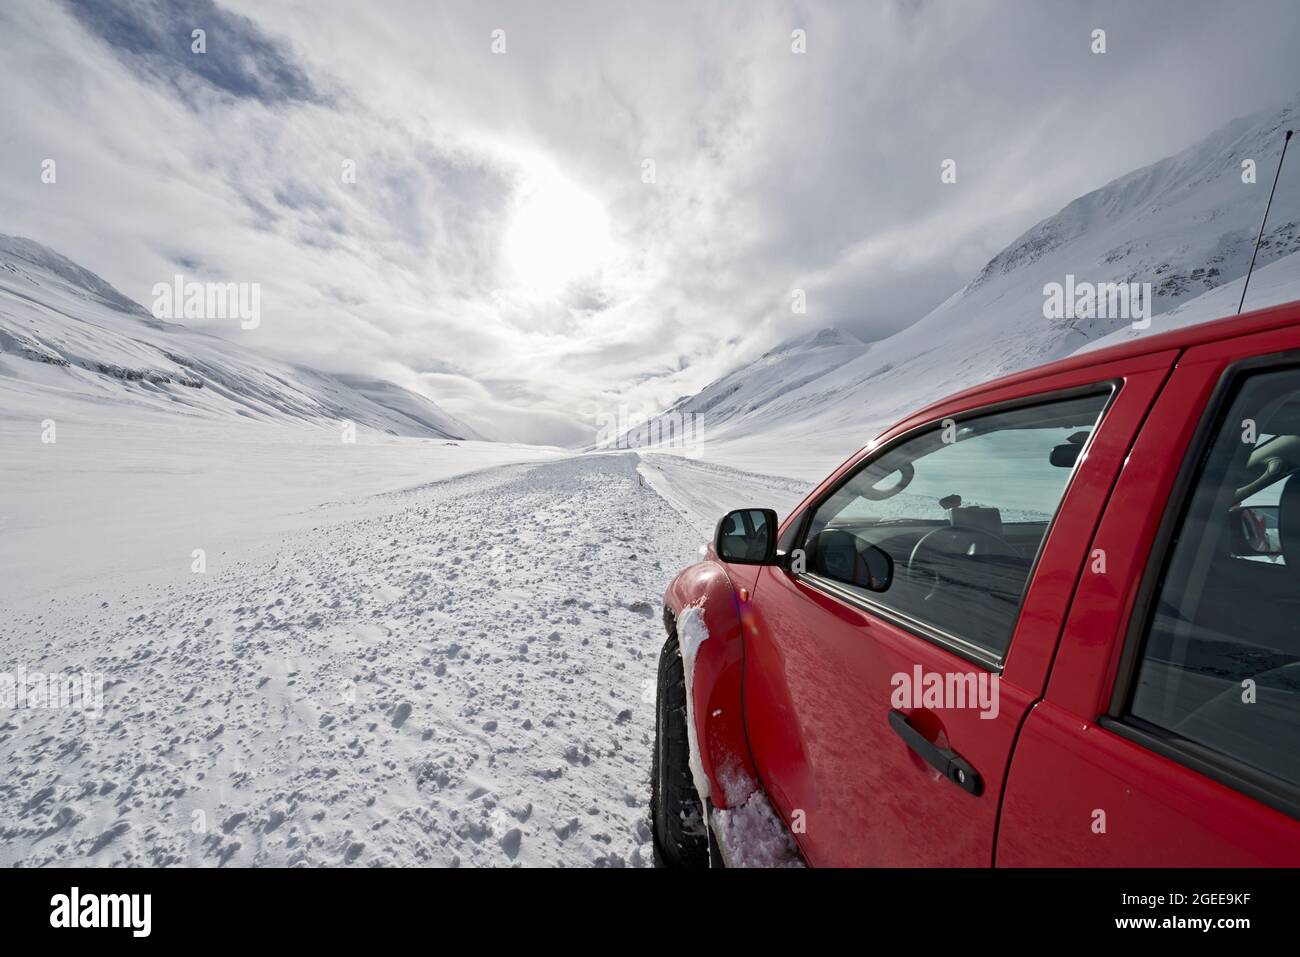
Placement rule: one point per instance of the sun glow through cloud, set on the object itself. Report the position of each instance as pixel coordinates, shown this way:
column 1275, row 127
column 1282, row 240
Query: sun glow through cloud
column 557, row 233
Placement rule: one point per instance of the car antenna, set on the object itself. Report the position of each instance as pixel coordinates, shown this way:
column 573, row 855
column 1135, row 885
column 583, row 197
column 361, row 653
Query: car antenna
column 1245, row 284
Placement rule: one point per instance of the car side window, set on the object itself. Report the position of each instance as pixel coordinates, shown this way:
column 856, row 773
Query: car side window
column 1220, row 661
column 960, row 510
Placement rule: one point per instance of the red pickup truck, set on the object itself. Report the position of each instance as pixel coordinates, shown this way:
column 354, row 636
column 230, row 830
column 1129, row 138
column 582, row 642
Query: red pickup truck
column 1053, row 620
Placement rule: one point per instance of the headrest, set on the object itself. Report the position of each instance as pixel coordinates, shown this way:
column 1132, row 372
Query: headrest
column 976, row 516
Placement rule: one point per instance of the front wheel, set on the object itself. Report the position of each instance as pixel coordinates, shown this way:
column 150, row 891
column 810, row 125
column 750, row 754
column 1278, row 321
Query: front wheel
column 681, row 836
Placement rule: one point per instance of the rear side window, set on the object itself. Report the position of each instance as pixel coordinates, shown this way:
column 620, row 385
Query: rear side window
column 1220, row 663
column 960, row 511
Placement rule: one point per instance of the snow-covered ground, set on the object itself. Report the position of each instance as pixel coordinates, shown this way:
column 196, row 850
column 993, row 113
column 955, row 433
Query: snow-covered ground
column 401, row 651
column 321, row 625
column 126, row 496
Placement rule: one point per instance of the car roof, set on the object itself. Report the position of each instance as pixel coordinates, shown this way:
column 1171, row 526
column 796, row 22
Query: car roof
column 1232, row 327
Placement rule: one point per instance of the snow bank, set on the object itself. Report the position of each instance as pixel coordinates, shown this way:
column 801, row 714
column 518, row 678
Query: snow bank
column 703, row 491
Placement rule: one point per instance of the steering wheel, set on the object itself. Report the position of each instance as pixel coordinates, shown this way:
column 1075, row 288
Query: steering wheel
column 950, row 543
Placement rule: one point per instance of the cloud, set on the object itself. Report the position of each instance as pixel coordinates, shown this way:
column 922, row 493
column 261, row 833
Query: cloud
column 773, row 171
column 160, row 36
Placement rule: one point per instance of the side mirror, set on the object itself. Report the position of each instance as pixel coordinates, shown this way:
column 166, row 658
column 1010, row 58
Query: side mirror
column 747, row 536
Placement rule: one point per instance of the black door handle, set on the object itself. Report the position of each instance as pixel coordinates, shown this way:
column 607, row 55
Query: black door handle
column 948, row 763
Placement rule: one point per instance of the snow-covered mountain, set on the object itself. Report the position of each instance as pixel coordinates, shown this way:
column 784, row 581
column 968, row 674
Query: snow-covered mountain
column 1185, row 224
column 755, row 393
column 66, row 334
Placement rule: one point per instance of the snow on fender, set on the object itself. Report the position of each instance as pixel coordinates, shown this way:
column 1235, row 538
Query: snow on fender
column 692, row 632
column 707, row 614
column 749, row 830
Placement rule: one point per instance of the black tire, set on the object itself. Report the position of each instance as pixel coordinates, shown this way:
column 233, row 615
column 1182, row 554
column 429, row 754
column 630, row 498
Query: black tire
column 681, row 837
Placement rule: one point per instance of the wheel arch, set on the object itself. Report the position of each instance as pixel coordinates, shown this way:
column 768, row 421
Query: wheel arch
column 703, row 597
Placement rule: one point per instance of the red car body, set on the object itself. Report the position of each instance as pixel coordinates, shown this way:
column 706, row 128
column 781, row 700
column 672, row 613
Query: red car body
column 792, row 690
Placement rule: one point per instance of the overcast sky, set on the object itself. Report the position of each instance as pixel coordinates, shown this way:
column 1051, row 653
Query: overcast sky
column 501, row 250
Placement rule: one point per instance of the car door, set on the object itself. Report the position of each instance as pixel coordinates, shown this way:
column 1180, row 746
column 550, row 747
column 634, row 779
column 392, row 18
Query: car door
column 881, row 721
column 1170, row 732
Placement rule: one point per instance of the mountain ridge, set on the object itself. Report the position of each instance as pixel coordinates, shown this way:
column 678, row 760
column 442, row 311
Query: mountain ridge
column 1186, row 224
column 65, row 328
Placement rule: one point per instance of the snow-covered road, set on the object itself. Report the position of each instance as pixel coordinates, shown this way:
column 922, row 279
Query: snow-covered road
column 459, row 673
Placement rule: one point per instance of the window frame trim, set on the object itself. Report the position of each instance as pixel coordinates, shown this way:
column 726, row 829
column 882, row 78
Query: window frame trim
column 1232, row 772
column 1110, row 387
